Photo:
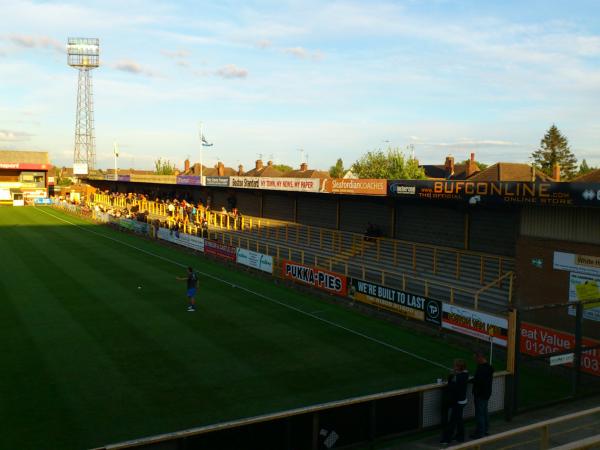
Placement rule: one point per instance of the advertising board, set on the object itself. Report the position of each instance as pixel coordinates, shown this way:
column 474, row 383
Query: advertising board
column 279, row 184
column 354, row 186
column 475, row 324
column 80, row 169
column 216, row 181
column 187, row 240
column 220, row 250
column 499, row 192
column 331, row 282
column 536, row 340
column 255, row 260
column 189, row 180
column 408, row 304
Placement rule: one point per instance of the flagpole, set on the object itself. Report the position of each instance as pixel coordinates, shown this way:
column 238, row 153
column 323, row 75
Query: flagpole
column 200, row 126
column 116, row 153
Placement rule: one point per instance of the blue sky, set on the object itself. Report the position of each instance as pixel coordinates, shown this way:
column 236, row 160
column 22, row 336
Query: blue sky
column 333, row 78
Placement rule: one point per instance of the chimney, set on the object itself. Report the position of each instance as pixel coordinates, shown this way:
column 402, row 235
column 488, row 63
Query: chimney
column 303, row 167
column 221, row 169
column 270, row 163
column 240, row 170
column 471, row 166
column 449, row 166
column 186, row 165
column 556, row 171
column 259, row 164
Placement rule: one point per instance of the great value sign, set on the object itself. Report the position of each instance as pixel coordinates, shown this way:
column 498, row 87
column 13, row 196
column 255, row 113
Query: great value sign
column 279, row 184
column 354, row 187
column 255, row 260
column 475, row 323
column 538, row 341
column 220, row 250
column 313, row 276
column 406, row 303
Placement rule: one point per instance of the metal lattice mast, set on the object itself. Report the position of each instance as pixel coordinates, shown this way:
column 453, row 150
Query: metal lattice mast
column 83, row 54
column 85, row 141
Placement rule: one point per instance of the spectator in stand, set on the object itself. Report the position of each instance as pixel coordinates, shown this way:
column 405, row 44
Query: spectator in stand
column 457, row 399
column 482, row 391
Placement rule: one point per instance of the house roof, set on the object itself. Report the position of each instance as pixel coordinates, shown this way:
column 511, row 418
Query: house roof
column 266, row 171
column 439, row 171
column 510, row 172
column 23, row 157
column 590, row 177
column 309, row 173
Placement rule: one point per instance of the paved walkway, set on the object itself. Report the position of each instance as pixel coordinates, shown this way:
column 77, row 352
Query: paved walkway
column 559, row 434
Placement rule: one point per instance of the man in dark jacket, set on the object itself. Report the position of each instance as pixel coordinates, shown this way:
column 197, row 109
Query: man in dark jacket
column 457, row 399
column 482, row 391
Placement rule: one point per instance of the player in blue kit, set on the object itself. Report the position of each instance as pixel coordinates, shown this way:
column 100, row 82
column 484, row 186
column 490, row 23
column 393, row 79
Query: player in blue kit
column 192, row 285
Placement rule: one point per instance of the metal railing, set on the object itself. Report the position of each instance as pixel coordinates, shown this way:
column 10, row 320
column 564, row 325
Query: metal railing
column 349, row 260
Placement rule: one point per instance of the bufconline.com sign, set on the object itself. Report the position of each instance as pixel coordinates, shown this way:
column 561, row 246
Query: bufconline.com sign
column 331, row 282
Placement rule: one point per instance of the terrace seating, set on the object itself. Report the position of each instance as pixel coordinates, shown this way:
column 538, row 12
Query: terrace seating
column 467, row 278
column 443, row 273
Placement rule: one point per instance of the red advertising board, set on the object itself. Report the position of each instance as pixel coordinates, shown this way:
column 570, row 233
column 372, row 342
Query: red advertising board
column 538, row 341
column 221, row 250
column 331, row 282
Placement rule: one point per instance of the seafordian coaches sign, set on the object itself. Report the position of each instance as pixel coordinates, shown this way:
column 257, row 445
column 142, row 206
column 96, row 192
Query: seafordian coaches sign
column 475, row 323
column 405, row 303
column 313, row 276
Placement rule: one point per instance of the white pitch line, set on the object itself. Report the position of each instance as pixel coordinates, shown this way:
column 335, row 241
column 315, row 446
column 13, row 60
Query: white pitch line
column 258, row 294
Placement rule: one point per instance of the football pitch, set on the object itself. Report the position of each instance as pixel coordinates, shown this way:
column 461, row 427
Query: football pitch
column 89, row 359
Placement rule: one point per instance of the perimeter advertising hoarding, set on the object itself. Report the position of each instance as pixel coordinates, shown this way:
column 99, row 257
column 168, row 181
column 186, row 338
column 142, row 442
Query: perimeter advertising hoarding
column 475, row 323
column 216, row 181
column 26, row 166
column 499, row 192
column 255, row 260
column 189, row 180
column 220, row 250
column 354, row 187
column 187, row 240
column 410, row 305
column 277, row 184
column 331, row 282
column 536, row 340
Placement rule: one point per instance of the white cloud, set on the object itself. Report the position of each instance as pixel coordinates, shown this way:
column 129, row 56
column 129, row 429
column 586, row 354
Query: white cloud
column 131, row 66
column 263, row 43
column 14, row 136
column 231, row 71
column 302, row 53
column 32, row 41
column 176, row 54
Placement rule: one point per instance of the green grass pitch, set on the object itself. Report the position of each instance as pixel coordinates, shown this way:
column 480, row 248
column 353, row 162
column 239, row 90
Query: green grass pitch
column 89, row 359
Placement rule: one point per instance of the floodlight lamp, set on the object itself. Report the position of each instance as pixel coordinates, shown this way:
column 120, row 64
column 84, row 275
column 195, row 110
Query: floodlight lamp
column 83, row 53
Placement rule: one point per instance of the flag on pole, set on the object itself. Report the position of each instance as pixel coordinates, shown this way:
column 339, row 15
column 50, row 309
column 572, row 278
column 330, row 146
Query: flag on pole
column 205, row 143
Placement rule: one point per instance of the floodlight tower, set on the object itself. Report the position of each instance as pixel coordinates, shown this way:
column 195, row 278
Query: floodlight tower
column 84, row 55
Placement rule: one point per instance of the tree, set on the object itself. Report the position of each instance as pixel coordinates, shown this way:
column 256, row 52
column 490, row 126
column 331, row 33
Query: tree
column 338, row 170
column 554, row 148
column 163, row 167
column 390, row 165
column 283, row 167
column 584, row 168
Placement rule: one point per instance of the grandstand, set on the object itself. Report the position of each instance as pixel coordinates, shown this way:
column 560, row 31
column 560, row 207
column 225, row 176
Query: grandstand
column 24, row 176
